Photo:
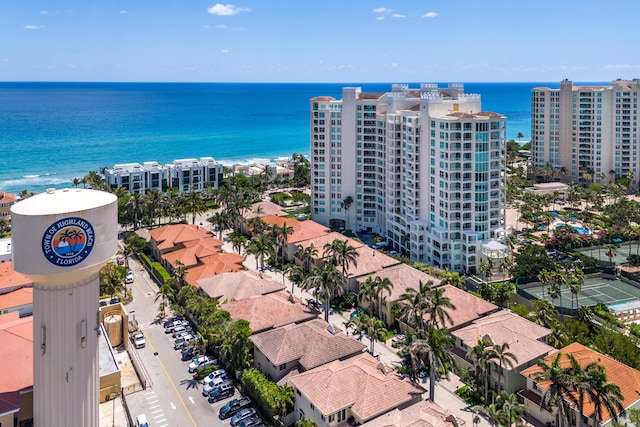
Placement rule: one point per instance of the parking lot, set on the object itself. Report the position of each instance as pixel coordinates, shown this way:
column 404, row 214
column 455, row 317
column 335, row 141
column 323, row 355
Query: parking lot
column 174, row 397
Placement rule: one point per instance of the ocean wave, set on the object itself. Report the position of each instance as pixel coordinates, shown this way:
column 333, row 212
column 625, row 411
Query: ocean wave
column 34, row 181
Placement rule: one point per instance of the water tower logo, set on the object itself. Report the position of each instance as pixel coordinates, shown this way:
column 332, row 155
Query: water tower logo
column 68, row 241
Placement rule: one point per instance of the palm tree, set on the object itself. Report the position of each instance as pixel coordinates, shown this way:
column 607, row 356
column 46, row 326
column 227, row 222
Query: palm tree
column 306, row 255
column 346, row 204
column 238, row 241
column 342, row 254
column 544, row 312
column 282, row 238
column 480, row 354
column 486, row 268
column 611, row 252
column 368, row 292
column 259, row 246
column 438, row 306
column 195, row 204
column 380, row 286
column 511, row 410
column 163, row 294
column 605, row 396
column 296, row 275
column 492, row 412
column 559, row 384
column 580, row 383
column 501, row 354
column 374, row 328
column 432, row 350
column 415, row 305
column 327, row 283
column 545, row 277
column 221, row 221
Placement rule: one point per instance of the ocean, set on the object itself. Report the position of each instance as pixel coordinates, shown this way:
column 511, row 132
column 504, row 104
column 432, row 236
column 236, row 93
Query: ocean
column 53, row 132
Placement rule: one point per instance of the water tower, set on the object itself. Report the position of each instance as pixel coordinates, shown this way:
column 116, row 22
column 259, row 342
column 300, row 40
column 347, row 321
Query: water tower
column 61, row 239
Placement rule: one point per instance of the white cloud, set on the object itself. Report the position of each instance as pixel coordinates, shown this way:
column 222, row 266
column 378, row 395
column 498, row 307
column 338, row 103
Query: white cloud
column 379, row 18
column 398, row 15
column 226, row 9
column 44, row 12
column 123, row 12
column 225, row 51
column 430, row 15
column 221, row 26
column 33, row 27
column 382, row 10
column 204, row 27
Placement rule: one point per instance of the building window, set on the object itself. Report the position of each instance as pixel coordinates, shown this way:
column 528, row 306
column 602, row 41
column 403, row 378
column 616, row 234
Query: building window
column 283, row 367
column 342, row 415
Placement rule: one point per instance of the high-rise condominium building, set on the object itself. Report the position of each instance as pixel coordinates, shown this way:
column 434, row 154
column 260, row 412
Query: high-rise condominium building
column 585, row 134
column 423, row 167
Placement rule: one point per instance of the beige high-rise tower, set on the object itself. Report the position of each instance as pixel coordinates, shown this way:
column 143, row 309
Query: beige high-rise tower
column 61, row 239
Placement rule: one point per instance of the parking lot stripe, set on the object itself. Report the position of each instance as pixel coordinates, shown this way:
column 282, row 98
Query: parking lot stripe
column 175, row 389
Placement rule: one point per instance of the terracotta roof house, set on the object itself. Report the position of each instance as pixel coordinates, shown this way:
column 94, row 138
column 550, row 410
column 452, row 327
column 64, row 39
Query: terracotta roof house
column 220, row 263
column 6, row 201
column 423, row 414
column 625, row 377
column 370, row 261
column 318, row 243
column 302, row 230
column 526, row 340
column 192, row 253
column 260, row 209
column 270, row 311
column 468, row 307
column 403, row 277
column 20, row 300
column 238, row 285
column 16, row 377
column 172, row 237
column 11, row 280
column 301, row 347
column 359, row 388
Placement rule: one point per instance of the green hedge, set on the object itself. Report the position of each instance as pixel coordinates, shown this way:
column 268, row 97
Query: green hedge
column 267, row 395
column 157, row 270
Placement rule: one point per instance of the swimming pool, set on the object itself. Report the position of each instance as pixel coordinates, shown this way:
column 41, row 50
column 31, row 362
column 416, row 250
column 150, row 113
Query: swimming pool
column 581, row 230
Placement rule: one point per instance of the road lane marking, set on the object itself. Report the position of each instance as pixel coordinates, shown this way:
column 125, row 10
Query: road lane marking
column 191, row 399
column 175, row 389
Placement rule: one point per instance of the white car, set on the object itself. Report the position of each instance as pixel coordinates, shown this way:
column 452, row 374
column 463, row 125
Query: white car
column 213, row 375
column 129, row 279
column 201, row 362
column 139, row 340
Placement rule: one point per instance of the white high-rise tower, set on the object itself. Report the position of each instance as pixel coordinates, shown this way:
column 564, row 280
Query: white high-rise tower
column 61, row 239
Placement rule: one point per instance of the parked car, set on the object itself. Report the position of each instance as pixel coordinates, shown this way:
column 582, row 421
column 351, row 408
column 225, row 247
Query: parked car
column 141, row 421
column 225, row 385
column 187, row 353
column 120, row 260
column 129, row 278
column 114, row 300
column 217, row 383
column 182, row 341
column 178, row 329
column 171, row 321
column 221, row 393
column 201, row 362
column 241, row 415
column 220, row 373
column 397, row 340
column 138, row 340
column 251, row 422
column 233, row 406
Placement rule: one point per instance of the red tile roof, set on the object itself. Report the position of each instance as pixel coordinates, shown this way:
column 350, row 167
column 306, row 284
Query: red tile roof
column 267, row 207
column 17, row 298
column 423, row 414
column 319, row 242
column 403, row 277
column 193, row 252
column 358, row 383
column 10, row 280
column 270, row 311
column 7, row 197
column 468, row 307
column 311, row 343
column 238, row 285
column 522, row 335
column 169, row 236
column 625, row 377
column 16, row 352
column 302, row 230
column 213, row 265
column 369, row 261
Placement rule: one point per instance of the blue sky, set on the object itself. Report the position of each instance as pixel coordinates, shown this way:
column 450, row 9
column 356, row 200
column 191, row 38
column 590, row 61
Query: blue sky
column 319, row 41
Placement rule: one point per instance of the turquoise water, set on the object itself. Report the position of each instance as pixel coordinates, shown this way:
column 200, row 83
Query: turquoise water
column 580, row 230
column 53, row 132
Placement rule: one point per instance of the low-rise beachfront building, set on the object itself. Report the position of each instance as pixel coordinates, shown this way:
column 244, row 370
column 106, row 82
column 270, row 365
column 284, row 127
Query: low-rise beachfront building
column 526, row 341
column 174, row 236
column 423, row 167
column 296, row 348
column 185, row 175
column 625, row 377
column 351, row 391
column 6, row 201
column 238, row 285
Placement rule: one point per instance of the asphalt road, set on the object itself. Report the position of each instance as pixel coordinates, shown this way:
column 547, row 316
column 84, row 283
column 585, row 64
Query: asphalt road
column 174, row 398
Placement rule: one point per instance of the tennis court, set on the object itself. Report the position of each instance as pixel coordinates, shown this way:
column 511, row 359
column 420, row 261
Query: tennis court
column 594, row 290
column 621, row 253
